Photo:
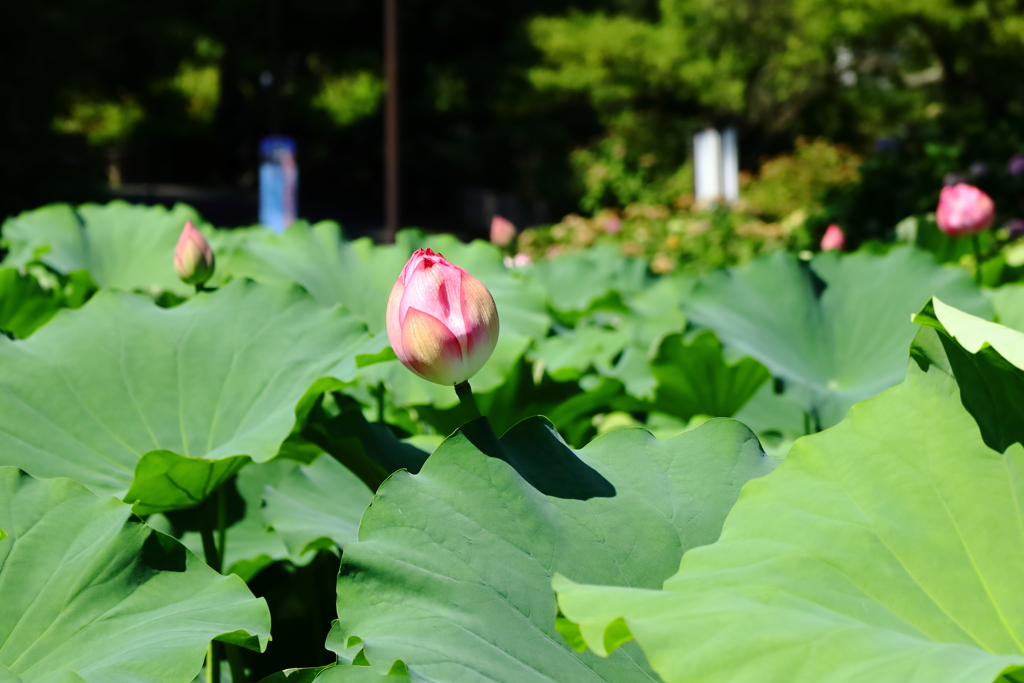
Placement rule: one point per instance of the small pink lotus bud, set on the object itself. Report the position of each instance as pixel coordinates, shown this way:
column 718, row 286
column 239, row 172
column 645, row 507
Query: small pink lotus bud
column 612, row 224
column 502, row 231
column 964, row 210
column 834, row 238
column 193, row 257
column 441, row 321
column 521, row 260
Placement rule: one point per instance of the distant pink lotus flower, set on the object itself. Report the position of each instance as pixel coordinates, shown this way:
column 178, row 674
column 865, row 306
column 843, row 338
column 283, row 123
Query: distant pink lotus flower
column 612, row 224
column 502, row 231
column 193, row 257
column 441, row 321
column 834, row 238
column 964, row 210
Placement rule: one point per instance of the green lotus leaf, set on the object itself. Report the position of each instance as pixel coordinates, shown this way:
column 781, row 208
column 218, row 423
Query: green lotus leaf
column 24, row 305
column 316, row 506
column 250, row 545
column 577, row 281
column 398, row 673
column 693, row 378
column 369, row 450
column 835, row 330
column 159, row 406
column 279, row 510
column 987, row 360
column 51, row 235
column 1008, row 302
column 92, row 594
column 887, row 549
column 122, row 246
column 451, row 573
column 341, row 674
column 566, row 357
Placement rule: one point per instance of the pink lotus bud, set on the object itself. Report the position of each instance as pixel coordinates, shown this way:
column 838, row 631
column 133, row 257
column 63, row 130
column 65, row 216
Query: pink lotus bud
column 834, row 238
column 612, row 225
column 193, row 258
column 441, row 320
column 502, row 231
column 964, row 210
column 522, row 260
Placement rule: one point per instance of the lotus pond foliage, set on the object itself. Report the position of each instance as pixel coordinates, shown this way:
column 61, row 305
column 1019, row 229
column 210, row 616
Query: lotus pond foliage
column 234, row 455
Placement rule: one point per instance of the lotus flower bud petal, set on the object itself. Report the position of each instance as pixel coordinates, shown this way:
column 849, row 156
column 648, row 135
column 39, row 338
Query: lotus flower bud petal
column 193, row 257
column 502, row 231
column 441, row 321
column 964, row 210
column 834, row 238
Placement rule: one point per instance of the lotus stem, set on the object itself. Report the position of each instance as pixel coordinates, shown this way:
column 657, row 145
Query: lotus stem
column 380, row 403
column 222, row 527
column 207, row 520
column 465, row 393
column 212, row 664
column 234, row 656
column 214, row 514
column 978, row 259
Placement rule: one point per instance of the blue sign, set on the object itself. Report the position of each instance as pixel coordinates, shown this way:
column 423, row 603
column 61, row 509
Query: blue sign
column 279, row 183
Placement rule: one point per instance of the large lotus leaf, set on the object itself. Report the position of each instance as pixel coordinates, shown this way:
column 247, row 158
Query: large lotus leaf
column 835, row 330
column 316, row 506
column 283, row 510
column 988, row 362
column 369, row 450
column 615, row 338
column 250, row 546
column 360, row 276
column 161, row 405
column 341, row 674
column 1008, row 302
column 527, row 392
column 51, row 235
column 123, row 246
column 693, row 378
column 887, row 549
column 771, row 413
column 92, row 594
column 566, row 357
column 24, row 305
column 451, row 573
column 575, row 282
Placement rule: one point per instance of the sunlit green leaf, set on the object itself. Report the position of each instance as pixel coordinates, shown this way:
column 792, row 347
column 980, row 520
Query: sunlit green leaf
column 451, row 572
column 835, row 330
column 161, row 405
column 92, row 594
column 886, row 549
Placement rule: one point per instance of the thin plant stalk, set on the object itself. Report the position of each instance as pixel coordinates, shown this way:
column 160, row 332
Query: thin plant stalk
column 213, row 520
column 978, row 259
column 465, row 394
column 380, row 403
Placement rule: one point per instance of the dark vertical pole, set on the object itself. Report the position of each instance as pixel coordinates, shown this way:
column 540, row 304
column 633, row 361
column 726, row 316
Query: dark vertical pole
column 276, row 72
column 391, row 120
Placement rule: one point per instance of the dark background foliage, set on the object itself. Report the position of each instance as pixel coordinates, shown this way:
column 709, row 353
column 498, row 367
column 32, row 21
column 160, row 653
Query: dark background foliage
column 496, row 97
